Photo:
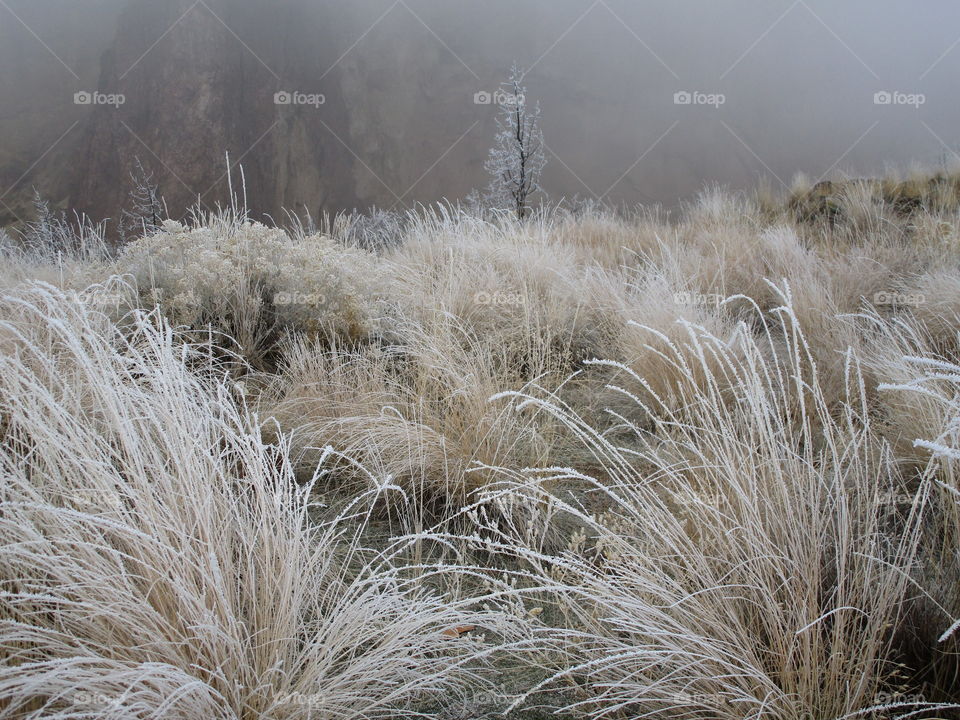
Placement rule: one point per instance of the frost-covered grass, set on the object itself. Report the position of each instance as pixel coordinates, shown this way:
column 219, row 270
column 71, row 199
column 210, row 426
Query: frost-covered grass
column 159, row 561
column 747, row 561
column 666, row 466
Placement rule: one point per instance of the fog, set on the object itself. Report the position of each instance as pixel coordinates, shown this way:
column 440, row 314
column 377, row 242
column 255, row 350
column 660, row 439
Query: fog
column 775, row 88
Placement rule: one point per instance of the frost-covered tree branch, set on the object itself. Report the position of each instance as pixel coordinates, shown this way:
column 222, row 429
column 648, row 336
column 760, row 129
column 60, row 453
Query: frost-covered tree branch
column 146, row 211
column 517, row 159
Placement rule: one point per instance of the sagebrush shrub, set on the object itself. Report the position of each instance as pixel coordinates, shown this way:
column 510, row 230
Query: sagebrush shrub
column 254, row 283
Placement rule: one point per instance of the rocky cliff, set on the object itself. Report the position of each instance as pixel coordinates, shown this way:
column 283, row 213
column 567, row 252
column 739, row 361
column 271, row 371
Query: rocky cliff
column 361, row 127
column 397, row 123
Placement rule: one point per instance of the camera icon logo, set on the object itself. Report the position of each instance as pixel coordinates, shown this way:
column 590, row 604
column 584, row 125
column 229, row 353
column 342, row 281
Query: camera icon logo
column 283, row 98
column 883, row 98
column 83, row 98
column 682, row 98
column 483, row 98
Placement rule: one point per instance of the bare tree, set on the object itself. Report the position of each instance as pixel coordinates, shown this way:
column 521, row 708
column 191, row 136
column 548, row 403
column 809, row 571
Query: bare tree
column 146, row 210
column 517, row 159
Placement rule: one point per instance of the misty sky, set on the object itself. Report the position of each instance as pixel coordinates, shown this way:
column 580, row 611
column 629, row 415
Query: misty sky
column 799, row 80
column 776, row 87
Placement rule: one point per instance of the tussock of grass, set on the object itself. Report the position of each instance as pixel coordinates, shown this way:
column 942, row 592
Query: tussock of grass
column 741, row 566
column 159, row 559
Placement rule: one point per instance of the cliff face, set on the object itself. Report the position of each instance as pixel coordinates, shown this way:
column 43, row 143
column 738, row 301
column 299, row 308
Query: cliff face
column 196, row 94
column 398, row 124
column 390, row 109
column 40, row 125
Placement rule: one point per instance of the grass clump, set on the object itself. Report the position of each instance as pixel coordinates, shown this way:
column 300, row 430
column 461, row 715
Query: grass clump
column 158, row 559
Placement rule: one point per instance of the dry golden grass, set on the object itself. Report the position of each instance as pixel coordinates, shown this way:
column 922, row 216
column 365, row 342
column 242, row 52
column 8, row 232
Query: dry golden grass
column 691, row 441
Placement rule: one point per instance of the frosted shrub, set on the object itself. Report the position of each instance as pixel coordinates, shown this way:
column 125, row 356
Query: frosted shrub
column 377, row 231
column 54, row 238
column 8, row 248
column 254, row 283
column 516, row 160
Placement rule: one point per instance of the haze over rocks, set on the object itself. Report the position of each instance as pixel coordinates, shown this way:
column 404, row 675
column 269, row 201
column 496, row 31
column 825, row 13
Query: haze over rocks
column 383, row 97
